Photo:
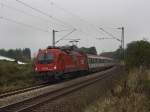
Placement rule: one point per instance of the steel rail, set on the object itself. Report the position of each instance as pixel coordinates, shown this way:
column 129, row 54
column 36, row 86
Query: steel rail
column 22, row 90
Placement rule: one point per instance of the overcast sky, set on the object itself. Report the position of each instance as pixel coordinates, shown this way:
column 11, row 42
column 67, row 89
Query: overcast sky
column 22, row 26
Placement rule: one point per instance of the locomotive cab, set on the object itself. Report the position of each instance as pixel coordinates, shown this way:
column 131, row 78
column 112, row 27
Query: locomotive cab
column 58, row 62
column 45, row 61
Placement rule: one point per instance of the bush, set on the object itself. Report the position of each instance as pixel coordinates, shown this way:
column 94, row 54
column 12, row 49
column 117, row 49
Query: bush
column 138, row 54
column 14, row 76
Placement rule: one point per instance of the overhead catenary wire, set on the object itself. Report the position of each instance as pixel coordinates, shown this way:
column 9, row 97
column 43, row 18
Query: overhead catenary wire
column 48, row 15
column 81, row 19
column 43, row 13
column 65, row 36
column 63, row 9
column 74, row 15
column 25, row 13
column 23, row 24
column 110, row 34
column 69, row 12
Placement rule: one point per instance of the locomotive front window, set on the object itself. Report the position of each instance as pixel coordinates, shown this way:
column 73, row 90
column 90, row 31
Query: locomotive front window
column 50, row 58
column 46, row 58
column 41, row 58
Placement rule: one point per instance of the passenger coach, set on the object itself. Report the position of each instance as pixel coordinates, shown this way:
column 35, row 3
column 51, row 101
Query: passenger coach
column 97, row 63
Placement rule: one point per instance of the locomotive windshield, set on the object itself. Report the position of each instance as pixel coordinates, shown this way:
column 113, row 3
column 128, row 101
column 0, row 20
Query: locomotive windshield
column 46, row 58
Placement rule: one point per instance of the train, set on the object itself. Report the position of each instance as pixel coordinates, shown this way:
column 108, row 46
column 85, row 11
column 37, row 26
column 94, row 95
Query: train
column 56, row 62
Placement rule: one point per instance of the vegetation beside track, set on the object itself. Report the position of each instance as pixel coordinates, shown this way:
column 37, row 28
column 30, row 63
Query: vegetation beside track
column 131, row 94
column 14, row 76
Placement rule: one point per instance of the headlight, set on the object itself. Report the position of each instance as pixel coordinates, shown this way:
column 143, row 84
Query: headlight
column 55, row 67
column 35, row 68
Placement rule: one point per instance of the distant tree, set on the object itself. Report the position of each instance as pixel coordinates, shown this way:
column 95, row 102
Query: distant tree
column 119, row 54
column 2, row 52
column 138, row 54
column 108, row 54
column 90, row 50
column 18, row 54
column 27, row 53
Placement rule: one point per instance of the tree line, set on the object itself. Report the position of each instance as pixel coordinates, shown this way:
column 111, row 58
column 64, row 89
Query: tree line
column 18, row 54
column 87, row 50
column 137, row 54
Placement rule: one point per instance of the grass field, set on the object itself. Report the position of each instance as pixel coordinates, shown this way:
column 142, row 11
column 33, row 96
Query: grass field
column 131, row 94
column 14, row 76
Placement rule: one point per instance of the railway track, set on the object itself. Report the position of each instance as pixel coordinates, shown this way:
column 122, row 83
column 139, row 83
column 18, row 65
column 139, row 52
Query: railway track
column 66, row 88
column 22, row 90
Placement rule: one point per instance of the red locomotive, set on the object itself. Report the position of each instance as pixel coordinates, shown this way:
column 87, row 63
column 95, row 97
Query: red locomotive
column 55, row 62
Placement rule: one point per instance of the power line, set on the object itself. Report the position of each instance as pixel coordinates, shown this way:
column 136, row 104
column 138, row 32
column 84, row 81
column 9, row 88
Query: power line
column 65, row 36
column 74, row 15
column 23, row 12
column 104, row 38
column 23, row 24
column 68, row 12
column 72, row 39
column 110, row 34
column 52, row 3
column 43, row 13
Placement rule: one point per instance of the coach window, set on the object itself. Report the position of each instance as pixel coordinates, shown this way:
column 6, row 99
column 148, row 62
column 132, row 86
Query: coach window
column 102, row 60
column 92, row 60
column 88, row 60
column 96, row 60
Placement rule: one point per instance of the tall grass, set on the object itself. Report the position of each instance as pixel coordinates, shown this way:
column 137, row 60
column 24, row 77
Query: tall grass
column 131, row 94
column 14, row 76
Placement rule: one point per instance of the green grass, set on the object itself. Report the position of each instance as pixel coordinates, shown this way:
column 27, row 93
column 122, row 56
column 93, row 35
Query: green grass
column 14, row 76
column 131, row 94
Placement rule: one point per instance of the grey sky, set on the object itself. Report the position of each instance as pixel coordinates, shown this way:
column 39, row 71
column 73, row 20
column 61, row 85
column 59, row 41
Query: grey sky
column 89, row 14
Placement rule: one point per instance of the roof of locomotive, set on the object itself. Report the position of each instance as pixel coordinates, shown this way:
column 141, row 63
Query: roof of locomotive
column 68, row 50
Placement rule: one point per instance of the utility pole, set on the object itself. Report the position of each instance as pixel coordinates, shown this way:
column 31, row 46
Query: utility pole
column 122, row 37
column 122, row 42
column 53, row 41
